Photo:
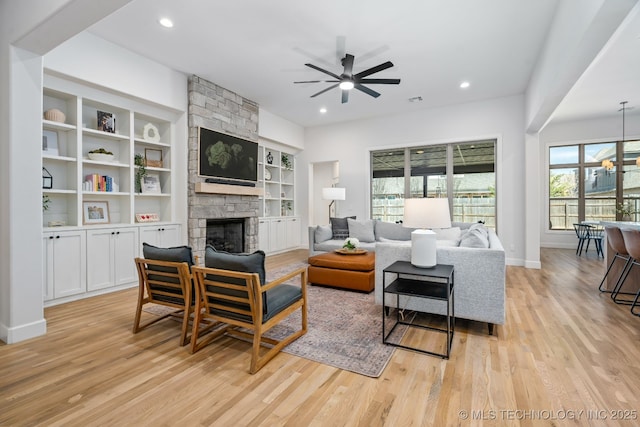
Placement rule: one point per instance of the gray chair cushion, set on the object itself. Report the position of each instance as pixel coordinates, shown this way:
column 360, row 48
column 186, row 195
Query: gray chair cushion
column 173, row 254
column 245, row 263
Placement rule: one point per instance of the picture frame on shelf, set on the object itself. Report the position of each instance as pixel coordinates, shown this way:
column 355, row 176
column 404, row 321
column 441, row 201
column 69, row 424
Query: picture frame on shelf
column 47, row 179
column 106, row 121
column 153, row 157
column 151, row 184
column 50, row 143
column 95, row 212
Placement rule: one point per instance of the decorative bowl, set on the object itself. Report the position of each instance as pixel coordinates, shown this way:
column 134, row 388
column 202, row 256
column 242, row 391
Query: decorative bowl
column 55, row 115
column 101, row 157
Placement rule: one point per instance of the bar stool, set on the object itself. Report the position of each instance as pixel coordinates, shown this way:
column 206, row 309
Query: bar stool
column 616, row 241
column 632, row 243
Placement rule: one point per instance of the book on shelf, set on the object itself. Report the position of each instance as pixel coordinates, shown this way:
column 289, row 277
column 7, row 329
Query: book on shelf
column 96, row 182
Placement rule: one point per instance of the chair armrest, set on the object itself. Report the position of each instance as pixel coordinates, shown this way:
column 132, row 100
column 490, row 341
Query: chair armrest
column 280, row 280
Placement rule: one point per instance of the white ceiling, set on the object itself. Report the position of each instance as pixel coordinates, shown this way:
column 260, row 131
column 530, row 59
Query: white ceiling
column 258, row 49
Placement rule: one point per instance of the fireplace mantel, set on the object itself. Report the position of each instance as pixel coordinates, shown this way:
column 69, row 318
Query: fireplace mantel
column 205, row 187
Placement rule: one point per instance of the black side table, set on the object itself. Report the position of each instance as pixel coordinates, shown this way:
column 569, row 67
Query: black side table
column 440, row 287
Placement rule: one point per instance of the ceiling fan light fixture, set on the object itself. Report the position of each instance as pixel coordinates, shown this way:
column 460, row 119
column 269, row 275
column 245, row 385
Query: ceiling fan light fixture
column 346, row 85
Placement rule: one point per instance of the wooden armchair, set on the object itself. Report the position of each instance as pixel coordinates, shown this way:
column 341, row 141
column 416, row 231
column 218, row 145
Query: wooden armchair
column 238, row 300
column 167, row 283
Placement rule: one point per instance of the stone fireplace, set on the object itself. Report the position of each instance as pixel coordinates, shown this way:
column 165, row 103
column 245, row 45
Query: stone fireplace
column 226, row 234
column 219, row 109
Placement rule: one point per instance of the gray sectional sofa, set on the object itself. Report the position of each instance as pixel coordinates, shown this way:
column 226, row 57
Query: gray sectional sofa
column 476, row 253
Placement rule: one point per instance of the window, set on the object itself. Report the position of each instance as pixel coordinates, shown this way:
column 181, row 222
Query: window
column 463, row 172
column 580, row 188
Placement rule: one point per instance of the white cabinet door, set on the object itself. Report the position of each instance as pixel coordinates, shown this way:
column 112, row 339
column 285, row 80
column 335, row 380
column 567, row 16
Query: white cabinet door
column 65, row 263
column 293, row 232
column 126, row 249
column 277, row 235
column 263, row 235
column 162, row 236
column 110, row 257
column 99, row 259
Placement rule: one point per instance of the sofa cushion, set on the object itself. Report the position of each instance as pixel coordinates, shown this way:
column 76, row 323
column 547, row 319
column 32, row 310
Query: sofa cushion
column 475, row 238
column 323, row 233
column 340, row 227
column 361, row 230
column 392, row 231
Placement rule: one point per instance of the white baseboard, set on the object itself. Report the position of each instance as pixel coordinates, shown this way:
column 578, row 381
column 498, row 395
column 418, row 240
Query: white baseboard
column 23, row 332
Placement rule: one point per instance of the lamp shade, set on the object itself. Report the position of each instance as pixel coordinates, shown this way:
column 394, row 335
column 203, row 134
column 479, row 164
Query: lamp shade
column 426, row 213
column 334, row 193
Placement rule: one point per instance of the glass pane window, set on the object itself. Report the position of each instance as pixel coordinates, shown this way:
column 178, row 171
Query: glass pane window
column 564, row 155
column 462, row 172
column 474, row 182
column 387, row 185
column 631, row 150
column 563, row 195
column 596, row 153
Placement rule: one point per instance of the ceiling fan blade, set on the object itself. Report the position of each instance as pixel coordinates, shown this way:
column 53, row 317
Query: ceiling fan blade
column 375, row 69
column 367, row 90
column 345, row 96
column 380, row 81
column 348, row 64
column 335, row 76
column 319, row 81
column 324, row 90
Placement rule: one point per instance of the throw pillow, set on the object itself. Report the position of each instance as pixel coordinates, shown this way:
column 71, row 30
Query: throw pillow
column 323, row 233
column 474, row 239
column 174, row 254
column 452, row 233
column 361, row 230
column 340, row 227
column 245, row 263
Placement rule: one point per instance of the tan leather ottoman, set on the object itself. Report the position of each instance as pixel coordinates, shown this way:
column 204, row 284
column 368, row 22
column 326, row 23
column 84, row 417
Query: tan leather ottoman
column 355, row 272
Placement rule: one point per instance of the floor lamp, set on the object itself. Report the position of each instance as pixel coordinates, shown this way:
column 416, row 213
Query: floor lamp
column 425, row 214
column 333, row 194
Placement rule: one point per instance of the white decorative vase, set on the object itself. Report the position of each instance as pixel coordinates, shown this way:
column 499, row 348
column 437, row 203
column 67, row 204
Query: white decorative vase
column 55, row 115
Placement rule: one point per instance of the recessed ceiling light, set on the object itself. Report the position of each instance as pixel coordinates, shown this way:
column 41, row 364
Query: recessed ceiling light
column 323, row 110
column 464, row 85
column 166, row 22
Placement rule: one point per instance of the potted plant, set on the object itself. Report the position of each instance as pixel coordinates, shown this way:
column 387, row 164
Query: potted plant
column 286, row 162
column 626, row 210
column 141, row 171
column 351, row 244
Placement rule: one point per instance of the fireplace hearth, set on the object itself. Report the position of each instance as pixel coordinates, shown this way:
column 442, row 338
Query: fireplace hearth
column 226, row 234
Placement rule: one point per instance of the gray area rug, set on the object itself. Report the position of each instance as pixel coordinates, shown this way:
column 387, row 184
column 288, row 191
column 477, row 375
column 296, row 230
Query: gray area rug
column 345, row 329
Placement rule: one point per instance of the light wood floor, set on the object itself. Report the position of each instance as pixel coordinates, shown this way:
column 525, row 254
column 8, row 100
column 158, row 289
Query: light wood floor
column 564, row 349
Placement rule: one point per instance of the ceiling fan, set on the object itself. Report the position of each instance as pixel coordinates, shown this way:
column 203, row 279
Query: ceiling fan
column 347, row 80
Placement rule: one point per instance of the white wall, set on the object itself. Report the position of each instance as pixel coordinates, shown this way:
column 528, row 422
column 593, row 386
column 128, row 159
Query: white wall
column 276, row 128
column 349, row 143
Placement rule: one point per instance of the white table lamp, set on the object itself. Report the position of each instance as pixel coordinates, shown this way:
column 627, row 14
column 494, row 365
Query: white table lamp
column 425, row 214
column 333, row 194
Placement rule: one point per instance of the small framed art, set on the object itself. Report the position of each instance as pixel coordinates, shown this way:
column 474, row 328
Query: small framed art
column 95, row 212
column 106, row 122
column 153, row 157
column 50, row 143
column 151, row 184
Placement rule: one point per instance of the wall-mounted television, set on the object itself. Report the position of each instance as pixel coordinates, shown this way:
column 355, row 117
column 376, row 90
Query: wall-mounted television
column 227, row 159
